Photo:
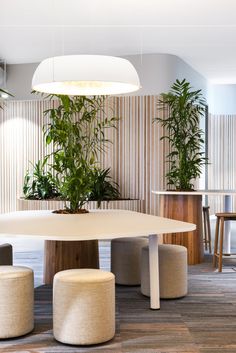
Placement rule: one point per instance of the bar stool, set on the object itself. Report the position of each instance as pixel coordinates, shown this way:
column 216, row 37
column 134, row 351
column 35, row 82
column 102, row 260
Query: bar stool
column 221, row 218
column 207, row 227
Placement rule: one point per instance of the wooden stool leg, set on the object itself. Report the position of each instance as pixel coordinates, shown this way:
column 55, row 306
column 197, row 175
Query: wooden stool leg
column 216, row 241
column 209, row 230
column 205, row 229
column 221, row 243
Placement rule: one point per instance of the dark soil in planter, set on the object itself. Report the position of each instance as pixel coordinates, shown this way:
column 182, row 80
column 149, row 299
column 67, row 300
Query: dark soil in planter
column 177, row 190
column 65, row 211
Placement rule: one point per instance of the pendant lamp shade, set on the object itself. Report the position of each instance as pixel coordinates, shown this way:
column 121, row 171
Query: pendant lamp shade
column 85, row 75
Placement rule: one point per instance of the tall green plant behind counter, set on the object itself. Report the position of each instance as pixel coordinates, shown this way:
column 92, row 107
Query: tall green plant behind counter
column 182, row 108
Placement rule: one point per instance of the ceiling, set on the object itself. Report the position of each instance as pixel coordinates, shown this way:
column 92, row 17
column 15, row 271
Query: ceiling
column 201, row 32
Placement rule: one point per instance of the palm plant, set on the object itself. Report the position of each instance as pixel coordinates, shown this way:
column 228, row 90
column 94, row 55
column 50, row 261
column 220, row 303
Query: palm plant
column 40, row 183
column 103, row 187
column 76, row 144
column 182, row 109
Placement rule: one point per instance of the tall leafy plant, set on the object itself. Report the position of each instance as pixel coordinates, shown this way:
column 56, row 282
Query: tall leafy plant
column 76, row 144
column 182, row 108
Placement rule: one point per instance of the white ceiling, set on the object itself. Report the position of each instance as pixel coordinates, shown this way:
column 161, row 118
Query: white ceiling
column 201, row 32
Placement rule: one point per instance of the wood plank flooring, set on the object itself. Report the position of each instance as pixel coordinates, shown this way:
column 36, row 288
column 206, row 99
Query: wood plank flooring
column 202, row 322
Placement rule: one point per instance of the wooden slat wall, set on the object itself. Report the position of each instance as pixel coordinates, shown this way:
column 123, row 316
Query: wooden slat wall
column 135, row 157
column 222, row 157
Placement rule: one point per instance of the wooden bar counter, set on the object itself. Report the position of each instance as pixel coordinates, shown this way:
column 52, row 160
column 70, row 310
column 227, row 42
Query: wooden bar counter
column 187, row 207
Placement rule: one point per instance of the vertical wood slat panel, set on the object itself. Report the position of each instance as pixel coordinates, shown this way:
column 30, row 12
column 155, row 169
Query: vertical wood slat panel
column 222, row 157
column 136, row 156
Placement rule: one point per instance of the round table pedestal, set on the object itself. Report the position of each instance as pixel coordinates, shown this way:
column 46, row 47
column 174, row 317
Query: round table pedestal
column 187, row 208
column 64, row 255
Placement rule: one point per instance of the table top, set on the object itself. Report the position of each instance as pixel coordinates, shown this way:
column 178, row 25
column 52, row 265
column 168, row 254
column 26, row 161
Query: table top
column 97, row 224
column 197, row 192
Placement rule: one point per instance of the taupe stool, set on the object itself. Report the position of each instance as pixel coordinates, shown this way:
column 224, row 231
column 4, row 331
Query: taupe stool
column 5, row 254
column 83, row 306
column 207, row 227
column 221, row 218
column 126, row 260
column 173, row 270
column 16, row 301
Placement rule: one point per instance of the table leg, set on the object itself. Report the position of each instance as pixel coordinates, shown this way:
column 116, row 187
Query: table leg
column 65, row 255
column 154, row 272
column 227, row 208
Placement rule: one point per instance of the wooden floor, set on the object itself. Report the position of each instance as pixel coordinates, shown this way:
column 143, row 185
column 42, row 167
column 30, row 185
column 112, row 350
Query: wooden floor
column 204, row 321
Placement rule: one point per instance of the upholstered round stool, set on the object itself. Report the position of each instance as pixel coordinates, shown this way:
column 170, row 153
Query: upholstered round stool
column 16, row 301
column 83, row 306
column 126, row 260
column 172, row 271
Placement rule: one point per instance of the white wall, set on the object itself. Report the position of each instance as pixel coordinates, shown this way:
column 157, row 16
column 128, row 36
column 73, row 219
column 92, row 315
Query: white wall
column 222, row 99
column 19, row 79
column 183, row 70
column 157, row 73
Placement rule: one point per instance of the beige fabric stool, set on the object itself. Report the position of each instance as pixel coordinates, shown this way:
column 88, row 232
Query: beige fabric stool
column 16, row 301
column 173, row 270
column 83, row 306
column 5, row 254
column 126, row 260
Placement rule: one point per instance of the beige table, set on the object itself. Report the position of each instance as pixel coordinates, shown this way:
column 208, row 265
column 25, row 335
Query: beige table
column 102, row 224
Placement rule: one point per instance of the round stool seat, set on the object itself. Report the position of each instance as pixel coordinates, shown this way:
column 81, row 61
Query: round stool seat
column 16, row 301
column 83, row 306
column 126, row 260
column 172, row 271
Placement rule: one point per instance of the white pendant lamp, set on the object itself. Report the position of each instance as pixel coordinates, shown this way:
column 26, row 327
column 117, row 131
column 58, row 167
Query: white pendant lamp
column 85, row 75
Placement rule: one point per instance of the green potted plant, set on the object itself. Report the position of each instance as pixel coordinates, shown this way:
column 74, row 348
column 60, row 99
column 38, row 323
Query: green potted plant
column 73, row 173
column 182, row 108
column 76, row 144
column 39, row 184
column 76, row 130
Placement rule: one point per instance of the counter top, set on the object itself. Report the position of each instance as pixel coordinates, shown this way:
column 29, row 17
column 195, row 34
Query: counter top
column 197, row 192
